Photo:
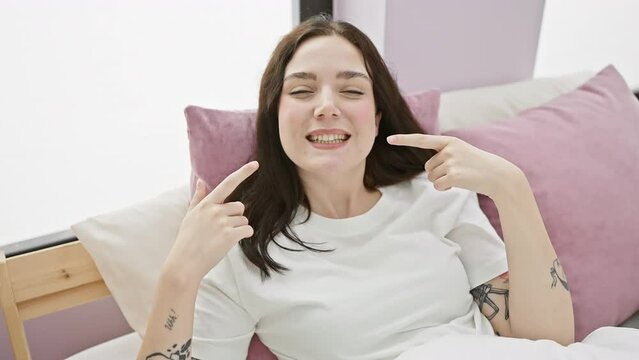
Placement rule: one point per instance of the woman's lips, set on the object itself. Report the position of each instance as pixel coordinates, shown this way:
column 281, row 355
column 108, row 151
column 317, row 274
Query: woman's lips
column 332, row 131
column 322, row 146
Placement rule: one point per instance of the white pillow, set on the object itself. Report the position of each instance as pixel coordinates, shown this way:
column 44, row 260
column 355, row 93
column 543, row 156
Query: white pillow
column 471, row 107
column 130, row 245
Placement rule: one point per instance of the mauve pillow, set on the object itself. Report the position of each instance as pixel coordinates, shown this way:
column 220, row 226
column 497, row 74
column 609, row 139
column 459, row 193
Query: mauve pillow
column 221, row 141
column 580, row 153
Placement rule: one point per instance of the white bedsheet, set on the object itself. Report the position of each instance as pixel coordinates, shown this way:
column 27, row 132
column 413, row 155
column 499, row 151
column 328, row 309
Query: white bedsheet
column 605, row 343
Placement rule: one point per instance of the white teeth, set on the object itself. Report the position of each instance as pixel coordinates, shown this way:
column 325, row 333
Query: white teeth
column 330, row 137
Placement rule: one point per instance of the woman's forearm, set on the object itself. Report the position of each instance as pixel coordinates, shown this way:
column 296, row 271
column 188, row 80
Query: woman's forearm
column 169, row 327
column 540, row 302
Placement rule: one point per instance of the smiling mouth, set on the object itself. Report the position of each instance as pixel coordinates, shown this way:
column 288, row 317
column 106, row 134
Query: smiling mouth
column 331, row 139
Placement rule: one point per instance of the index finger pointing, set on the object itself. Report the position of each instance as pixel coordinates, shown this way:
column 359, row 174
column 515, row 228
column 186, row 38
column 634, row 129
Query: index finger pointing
column 424, row 141
column 231, row 182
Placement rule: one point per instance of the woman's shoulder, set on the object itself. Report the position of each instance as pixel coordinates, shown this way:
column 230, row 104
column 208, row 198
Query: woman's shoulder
column 233, row 267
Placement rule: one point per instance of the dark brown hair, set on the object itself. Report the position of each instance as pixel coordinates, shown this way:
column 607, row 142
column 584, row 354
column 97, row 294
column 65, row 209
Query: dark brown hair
column 274, row 192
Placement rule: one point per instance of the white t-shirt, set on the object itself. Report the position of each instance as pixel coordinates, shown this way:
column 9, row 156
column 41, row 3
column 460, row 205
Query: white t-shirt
column 401, row 274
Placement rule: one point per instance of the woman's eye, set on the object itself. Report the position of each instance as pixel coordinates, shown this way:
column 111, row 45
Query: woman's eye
column 352, row 92
column 299, row 92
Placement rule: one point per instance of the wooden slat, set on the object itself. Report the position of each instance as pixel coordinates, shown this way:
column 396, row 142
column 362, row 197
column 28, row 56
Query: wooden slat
column 63, row 300
column 52, row 270
column 43, row 282
column 12, row 319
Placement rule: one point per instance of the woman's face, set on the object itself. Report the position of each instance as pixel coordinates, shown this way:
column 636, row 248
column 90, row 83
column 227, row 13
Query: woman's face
column 327, row 119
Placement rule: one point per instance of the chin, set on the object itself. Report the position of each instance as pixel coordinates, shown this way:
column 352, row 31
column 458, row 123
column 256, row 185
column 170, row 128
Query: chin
column 329, row 166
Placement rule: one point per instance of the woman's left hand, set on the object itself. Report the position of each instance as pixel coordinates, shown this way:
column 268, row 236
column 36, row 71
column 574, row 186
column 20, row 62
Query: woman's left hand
column 459, row 164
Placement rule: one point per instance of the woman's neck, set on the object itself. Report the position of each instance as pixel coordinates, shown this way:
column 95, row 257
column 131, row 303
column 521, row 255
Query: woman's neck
column 338, row 197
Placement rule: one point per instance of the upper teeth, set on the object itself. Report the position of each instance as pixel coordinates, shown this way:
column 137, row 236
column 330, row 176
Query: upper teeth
column 330, row 137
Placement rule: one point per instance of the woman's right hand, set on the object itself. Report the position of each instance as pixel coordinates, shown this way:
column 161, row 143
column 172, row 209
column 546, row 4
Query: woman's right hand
column 209, row 229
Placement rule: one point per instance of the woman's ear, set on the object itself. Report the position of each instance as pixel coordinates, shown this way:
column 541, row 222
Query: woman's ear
column 378, row 117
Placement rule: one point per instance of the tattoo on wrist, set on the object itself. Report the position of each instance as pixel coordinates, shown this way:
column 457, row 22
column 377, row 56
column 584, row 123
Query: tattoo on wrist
column 183, row 352
column 480, row 294
column 557, row 273
column 170, row 320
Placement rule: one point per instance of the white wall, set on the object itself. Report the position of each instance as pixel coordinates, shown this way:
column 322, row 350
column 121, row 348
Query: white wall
column 588, row 35
column 92, row 94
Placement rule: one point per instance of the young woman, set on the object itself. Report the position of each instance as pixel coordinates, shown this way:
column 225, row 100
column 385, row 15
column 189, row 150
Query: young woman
column 360, row 236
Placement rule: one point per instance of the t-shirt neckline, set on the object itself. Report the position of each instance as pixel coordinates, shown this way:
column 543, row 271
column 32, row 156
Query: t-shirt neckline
column 355, row 224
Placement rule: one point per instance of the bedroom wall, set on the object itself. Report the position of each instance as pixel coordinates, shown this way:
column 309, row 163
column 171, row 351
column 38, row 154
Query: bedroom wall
column 451, row 44
column 92, row 95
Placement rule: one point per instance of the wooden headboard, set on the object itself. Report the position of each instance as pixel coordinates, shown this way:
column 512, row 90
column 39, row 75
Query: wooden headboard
column 38, row 283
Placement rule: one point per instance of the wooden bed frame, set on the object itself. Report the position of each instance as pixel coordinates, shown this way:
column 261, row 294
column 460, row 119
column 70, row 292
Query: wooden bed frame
column 45, row 281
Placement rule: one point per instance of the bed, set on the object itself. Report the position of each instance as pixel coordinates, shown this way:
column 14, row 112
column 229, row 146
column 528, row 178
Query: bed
column 67, row 275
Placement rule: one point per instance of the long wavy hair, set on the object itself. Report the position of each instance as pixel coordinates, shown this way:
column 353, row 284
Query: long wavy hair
column 274, row 192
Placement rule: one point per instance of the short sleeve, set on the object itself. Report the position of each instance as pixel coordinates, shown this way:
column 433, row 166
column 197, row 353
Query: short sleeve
column 222, row 328
column 482, row 253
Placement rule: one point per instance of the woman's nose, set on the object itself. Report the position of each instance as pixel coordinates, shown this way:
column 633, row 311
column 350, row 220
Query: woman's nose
column 326, row 108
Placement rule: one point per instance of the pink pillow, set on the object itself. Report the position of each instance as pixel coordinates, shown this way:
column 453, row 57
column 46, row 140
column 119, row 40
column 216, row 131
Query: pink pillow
column 580, row 153
column 222, row 141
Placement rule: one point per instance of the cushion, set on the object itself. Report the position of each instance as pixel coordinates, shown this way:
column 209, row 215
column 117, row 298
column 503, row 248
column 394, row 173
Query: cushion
column 580, row 153
column 129, row 247
column 471, row 107
column 222, row 141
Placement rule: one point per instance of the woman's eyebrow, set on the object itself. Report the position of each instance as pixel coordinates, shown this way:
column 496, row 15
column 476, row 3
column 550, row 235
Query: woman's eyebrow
column 301, row 75
column 342, row 74
column 352, row 74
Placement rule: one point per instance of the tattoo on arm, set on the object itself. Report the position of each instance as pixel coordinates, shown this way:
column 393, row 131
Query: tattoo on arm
column 557, row 273
column 480, row 294
column 170, row 321
column 181, row 353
